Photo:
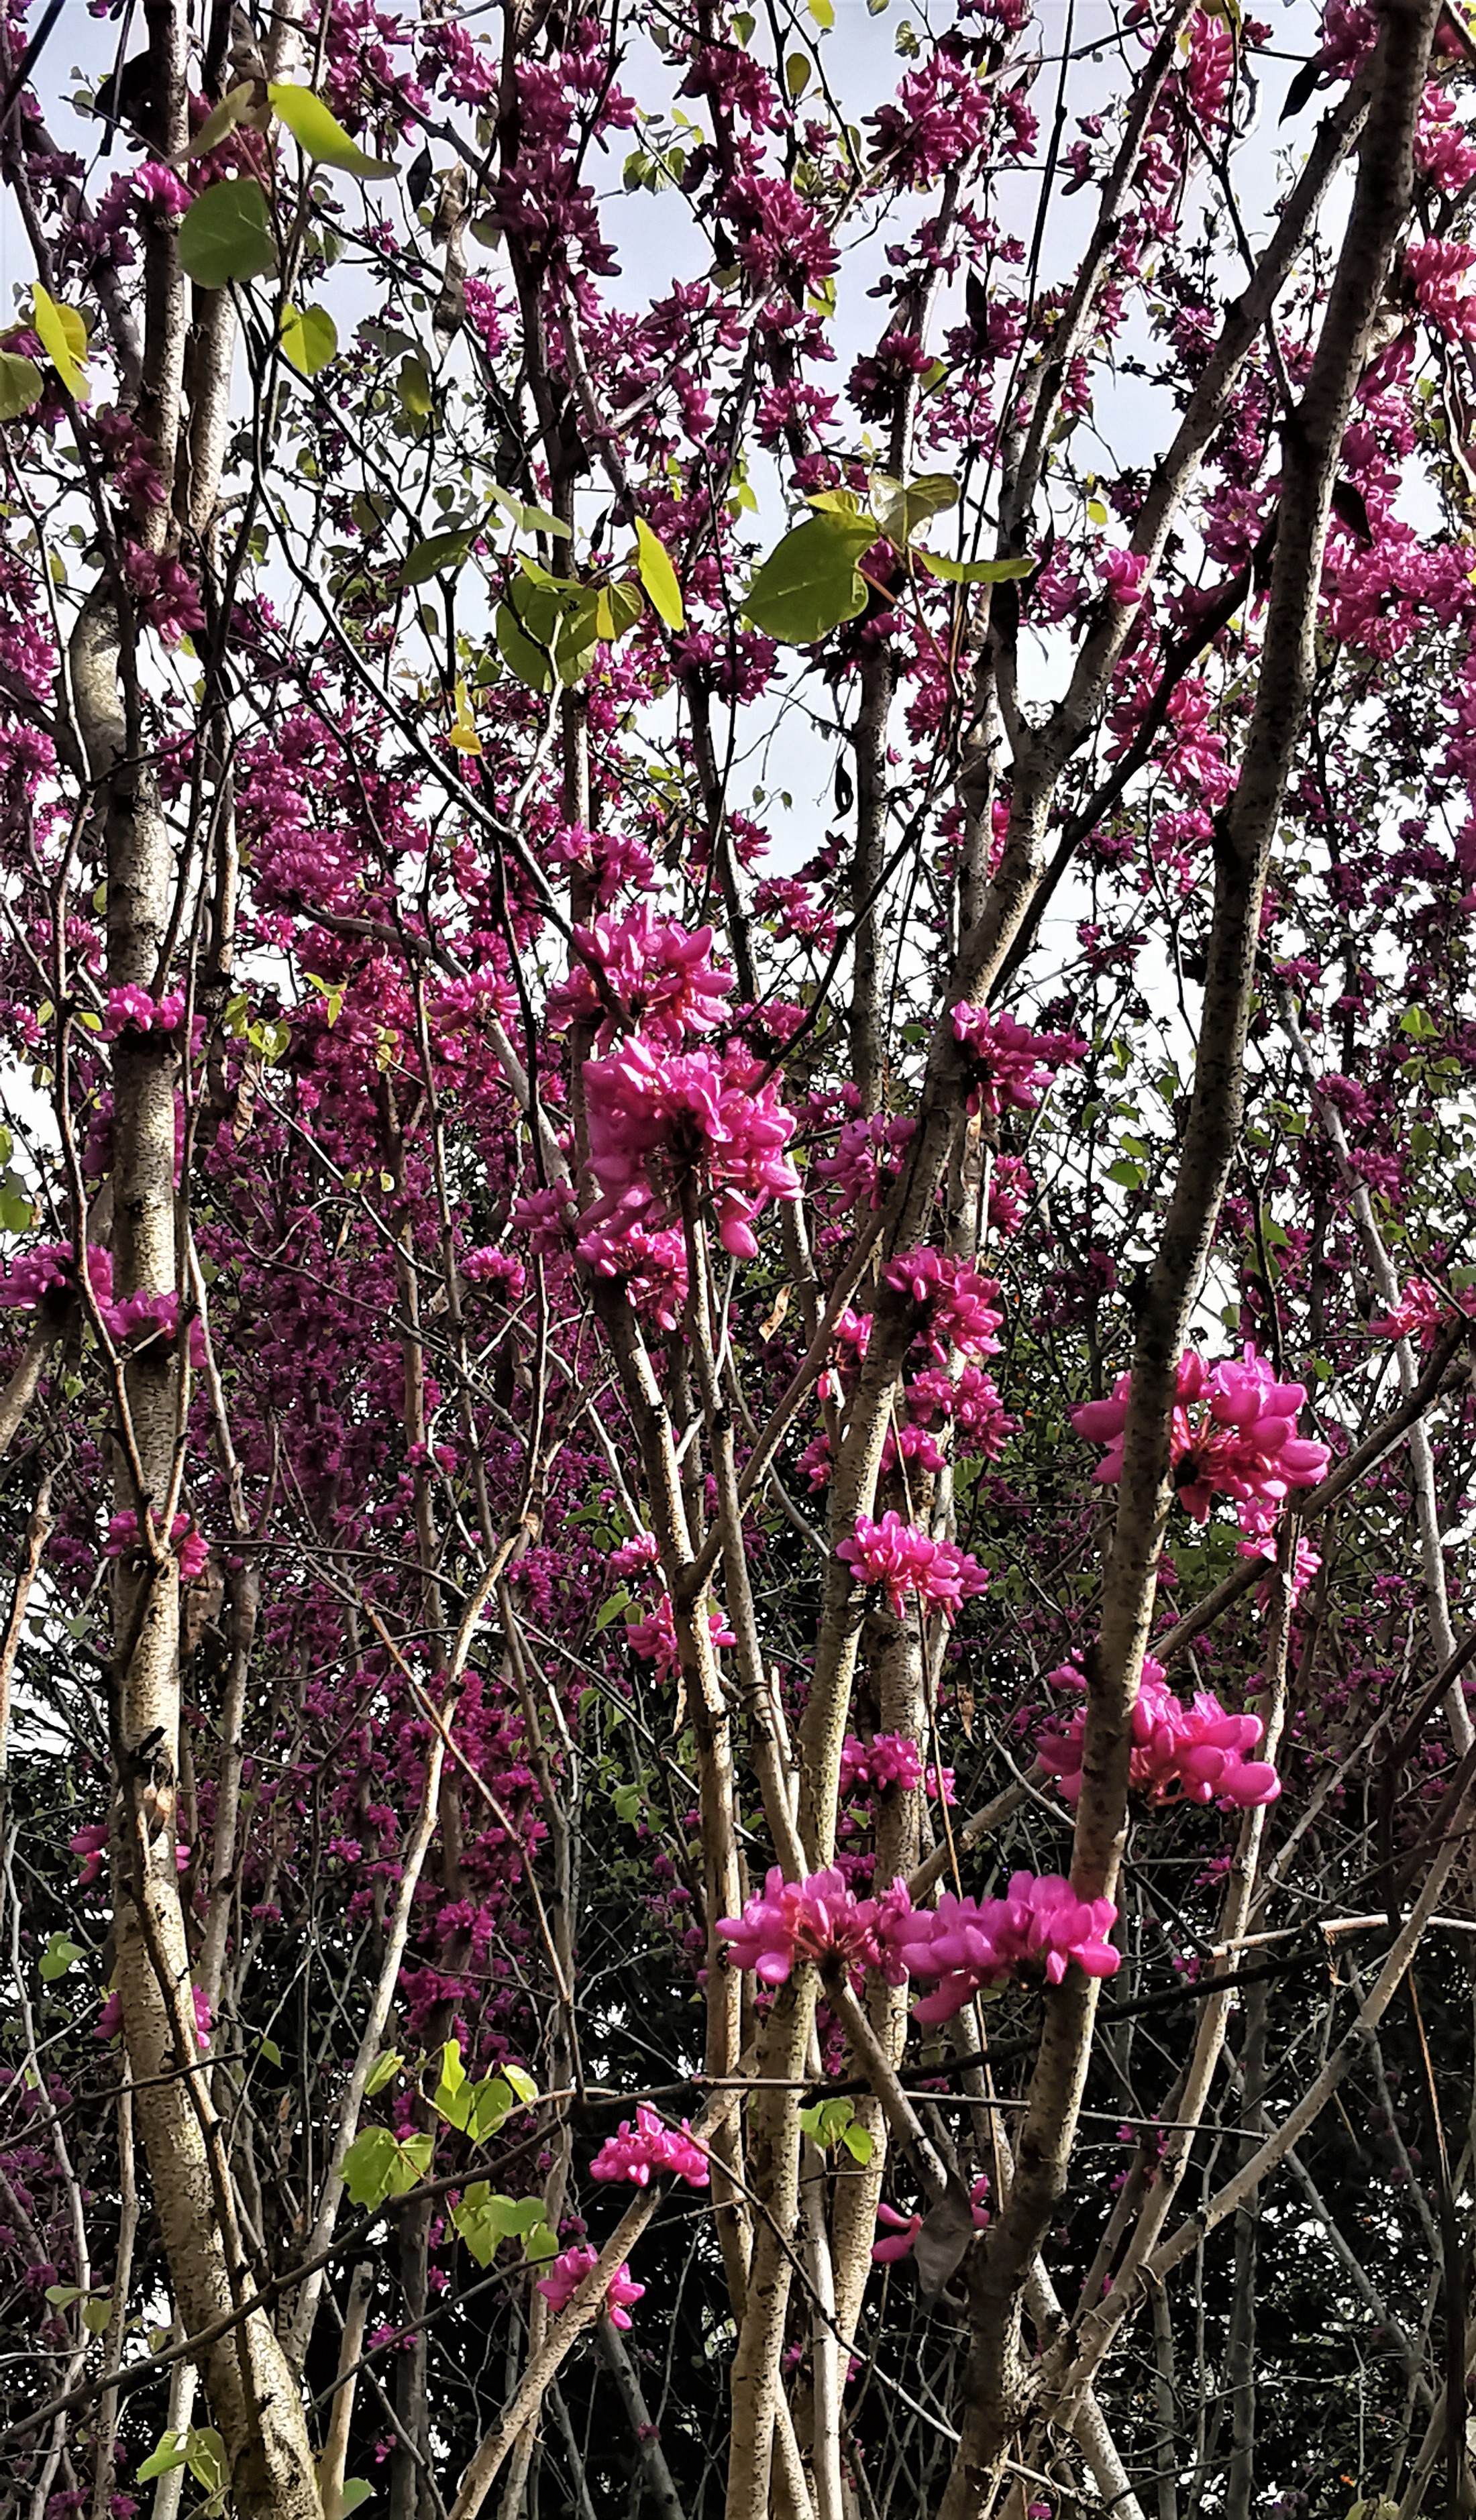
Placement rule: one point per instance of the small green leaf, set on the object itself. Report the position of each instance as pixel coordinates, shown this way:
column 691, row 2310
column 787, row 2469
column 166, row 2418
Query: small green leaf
column 319, row 134
column 414, row 387
column 63, row 336
column 272, row 2053
column 22, row 384
column 521, row 2083
column 59, row 1956
column 382, row 2072
column 901, row 507
column 609, row 1611
column 1127, row 1176
column 62, row 2296
column 858, row 2143
column 617, row 609
column 810, row 583
column 224, row 234
column 658, row 576
column 309, row 339
column 438, row 551
column 824, row 15
column 369, row 2165
column 219, row 124
column 797, row 71
column 974, row 572
column 96, row 2314
column 353, row 2490
column 166, row 2454
column 541, row 2245
column 204, row 2456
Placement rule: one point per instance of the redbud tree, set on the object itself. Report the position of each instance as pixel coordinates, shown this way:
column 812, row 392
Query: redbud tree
column 736, row 862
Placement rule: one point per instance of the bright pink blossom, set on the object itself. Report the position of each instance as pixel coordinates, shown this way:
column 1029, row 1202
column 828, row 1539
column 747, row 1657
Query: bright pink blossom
column 648, row 2146
column 1013, row 1065
column 567, row 2272
column 958, row 1304
column 908, row 1560
column 638, row 971
column 1124, row 574
column 1241, row 1442
column 1194, row 1753
column 190, row 1545
column 818, row 1918
column 965, row 1944
column 654, row 1639
column 660, row 1120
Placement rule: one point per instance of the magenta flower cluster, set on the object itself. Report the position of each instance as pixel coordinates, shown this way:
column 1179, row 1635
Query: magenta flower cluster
column 935, row 1573
column 1234, row 1433
column 1192, row 1754
column 567, row 2273
column 648, row 2146
column 1037, row 1928
column 1012, row 1065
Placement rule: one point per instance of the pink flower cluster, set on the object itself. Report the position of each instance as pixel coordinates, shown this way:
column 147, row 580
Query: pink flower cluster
column 1418, row 1314
column 654, row 1639
column 874, row 1767
column 909, row 1561
column 965, row 1944
column 1013, row 1065
column 1440, row 272
column 818, row 1918
column 1241, row 1442
column 659, row 1120
column 190, row 1545
column 637, row 971
column 567, row 2272
column 48, row 1269
column 651, row 2145
column 957, row 1302
column 868, row 1158
column 1124, row 574
column 1191, row 1754
column 132, row 1010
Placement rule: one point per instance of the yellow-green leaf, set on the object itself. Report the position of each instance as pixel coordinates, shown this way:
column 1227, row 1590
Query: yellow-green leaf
column 797, row 75
column 221, row 122
column 309, row 339
column 319, row 134
column 63, row 336
column 658, row 576
column 22, row 384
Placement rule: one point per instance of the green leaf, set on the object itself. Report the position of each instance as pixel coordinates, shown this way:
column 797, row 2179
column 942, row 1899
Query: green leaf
column 1416, row 1023
column 796, row 72
column 823, row 13
column 628, row 1800
column 63, row 336
column 545, row 615
column 658, row 576
column 309, row 339
column 204, row 2456
column 22, row 384
column 1127, row 1176
column 319, row 134
column 353, row 2490
column 810, row 583
column 440, row 551
column 224, row 234
column 272, row 2052
column 617, row 609
column 974, row 572
column 609, row 1611
column 541, row 2245
column 486, row 2107
column 413, row 386
column 530, row 519
column 368, row 2165
column 62, row 2296
column 166, row 2454
column 17, row 1214
column 382, row 2072
column 858, row 2143
column 59, row 1956
column 521, row 2083
column 901, row 507
column 219, row 124
column 95, row 2314
column 451, row 2099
